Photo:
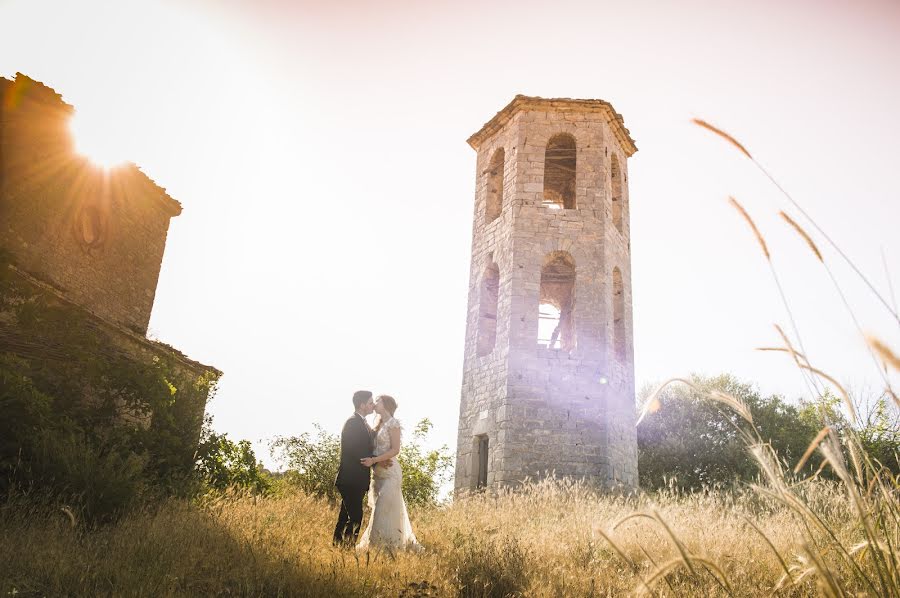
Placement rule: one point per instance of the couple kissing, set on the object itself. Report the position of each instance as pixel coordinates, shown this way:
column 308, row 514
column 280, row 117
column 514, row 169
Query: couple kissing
column 369, row 465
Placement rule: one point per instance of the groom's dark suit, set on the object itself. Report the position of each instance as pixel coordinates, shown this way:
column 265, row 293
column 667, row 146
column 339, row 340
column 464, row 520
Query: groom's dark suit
column 353, row 477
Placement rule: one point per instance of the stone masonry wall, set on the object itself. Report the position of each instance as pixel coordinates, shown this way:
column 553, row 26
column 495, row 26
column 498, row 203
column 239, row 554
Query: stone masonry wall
column 484, row 377
column 97, row 236
column 549, row 410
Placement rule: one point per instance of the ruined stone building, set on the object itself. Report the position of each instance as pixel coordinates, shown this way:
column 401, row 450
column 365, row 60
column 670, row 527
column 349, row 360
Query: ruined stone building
column 94, row 238
column 548, row 375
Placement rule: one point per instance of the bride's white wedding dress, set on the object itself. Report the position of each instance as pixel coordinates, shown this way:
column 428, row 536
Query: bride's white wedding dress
column 388, row 522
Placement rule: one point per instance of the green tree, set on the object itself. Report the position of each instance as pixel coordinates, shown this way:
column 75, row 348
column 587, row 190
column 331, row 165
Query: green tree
column 878, row 426
column 312, row 462
column 423, row 471
column 693, row 442
column 223, row 464
column 879, row 432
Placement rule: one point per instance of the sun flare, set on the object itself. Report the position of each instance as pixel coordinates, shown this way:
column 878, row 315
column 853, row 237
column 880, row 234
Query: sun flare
column 96, row 140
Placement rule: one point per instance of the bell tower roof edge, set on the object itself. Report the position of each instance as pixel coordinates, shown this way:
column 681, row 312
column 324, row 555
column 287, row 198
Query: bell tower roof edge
column 525, row 103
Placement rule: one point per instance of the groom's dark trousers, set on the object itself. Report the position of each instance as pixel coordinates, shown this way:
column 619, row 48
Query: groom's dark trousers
column 353, row 478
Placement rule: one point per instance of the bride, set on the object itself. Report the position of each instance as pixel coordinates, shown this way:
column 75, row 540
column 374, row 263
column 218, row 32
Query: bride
column 389, row 522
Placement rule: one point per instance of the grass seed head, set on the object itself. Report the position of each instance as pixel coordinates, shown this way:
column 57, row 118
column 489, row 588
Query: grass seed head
column 759, row 237
column 803, row 234
column 702, row 123
column 884, row 352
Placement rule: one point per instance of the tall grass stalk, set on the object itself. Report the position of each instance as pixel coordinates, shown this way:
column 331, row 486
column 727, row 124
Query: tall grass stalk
column 802, row 211
column 837, row 287
column 842, row 561
column 808, row 380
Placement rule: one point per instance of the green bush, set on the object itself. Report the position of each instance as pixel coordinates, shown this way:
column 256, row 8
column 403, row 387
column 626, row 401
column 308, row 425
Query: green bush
column 25, row 411
column 311, row 461
column 98, row 482
column 51, row 457
column 223, row 464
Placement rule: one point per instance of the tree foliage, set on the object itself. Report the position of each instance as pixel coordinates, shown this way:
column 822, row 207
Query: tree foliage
column 312, row 462
column 880, row 433
column 692, row 441
column 223, row 463
column 878, row 426
column 424, row 471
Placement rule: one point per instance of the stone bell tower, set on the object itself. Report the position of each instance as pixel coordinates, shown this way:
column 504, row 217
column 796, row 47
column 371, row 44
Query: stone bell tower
column 548, row 377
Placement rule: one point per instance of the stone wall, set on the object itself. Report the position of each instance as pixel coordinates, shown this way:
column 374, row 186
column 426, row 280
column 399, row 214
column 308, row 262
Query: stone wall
column 567, row 411
column 88, row 242
column 98, row 236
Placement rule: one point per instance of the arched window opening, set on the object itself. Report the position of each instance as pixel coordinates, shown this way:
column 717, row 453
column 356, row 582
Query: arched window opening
column 615, row 175
column 91, row 226
column 494, row 201
column 618, row 300
column 487, row 310
column 548, row 325
column 559, row 172
column 556, row 322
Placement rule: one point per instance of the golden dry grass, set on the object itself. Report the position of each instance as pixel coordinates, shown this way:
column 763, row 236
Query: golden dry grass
column 548, row 540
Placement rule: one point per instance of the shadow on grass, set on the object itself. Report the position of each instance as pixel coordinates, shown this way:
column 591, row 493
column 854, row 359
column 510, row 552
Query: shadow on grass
column 174, row 550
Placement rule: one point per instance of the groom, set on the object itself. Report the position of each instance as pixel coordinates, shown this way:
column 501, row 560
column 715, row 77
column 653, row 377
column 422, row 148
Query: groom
column 357, row 442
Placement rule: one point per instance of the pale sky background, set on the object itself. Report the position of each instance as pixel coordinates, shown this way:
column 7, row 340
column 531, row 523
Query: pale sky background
column 319, row 151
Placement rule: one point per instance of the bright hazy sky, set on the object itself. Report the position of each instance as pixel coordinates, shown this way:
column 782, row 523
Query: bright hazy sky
column 319, row 151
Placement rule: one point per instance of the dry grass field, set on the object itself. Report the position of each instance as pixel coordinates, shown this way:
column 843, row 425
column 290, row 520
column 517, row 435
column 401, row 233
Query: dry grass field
column 550, row 539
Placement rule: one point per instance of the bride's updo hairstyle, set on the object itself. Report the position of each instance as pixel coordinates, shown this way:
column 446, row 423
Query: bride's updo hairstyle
column 390, row 404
